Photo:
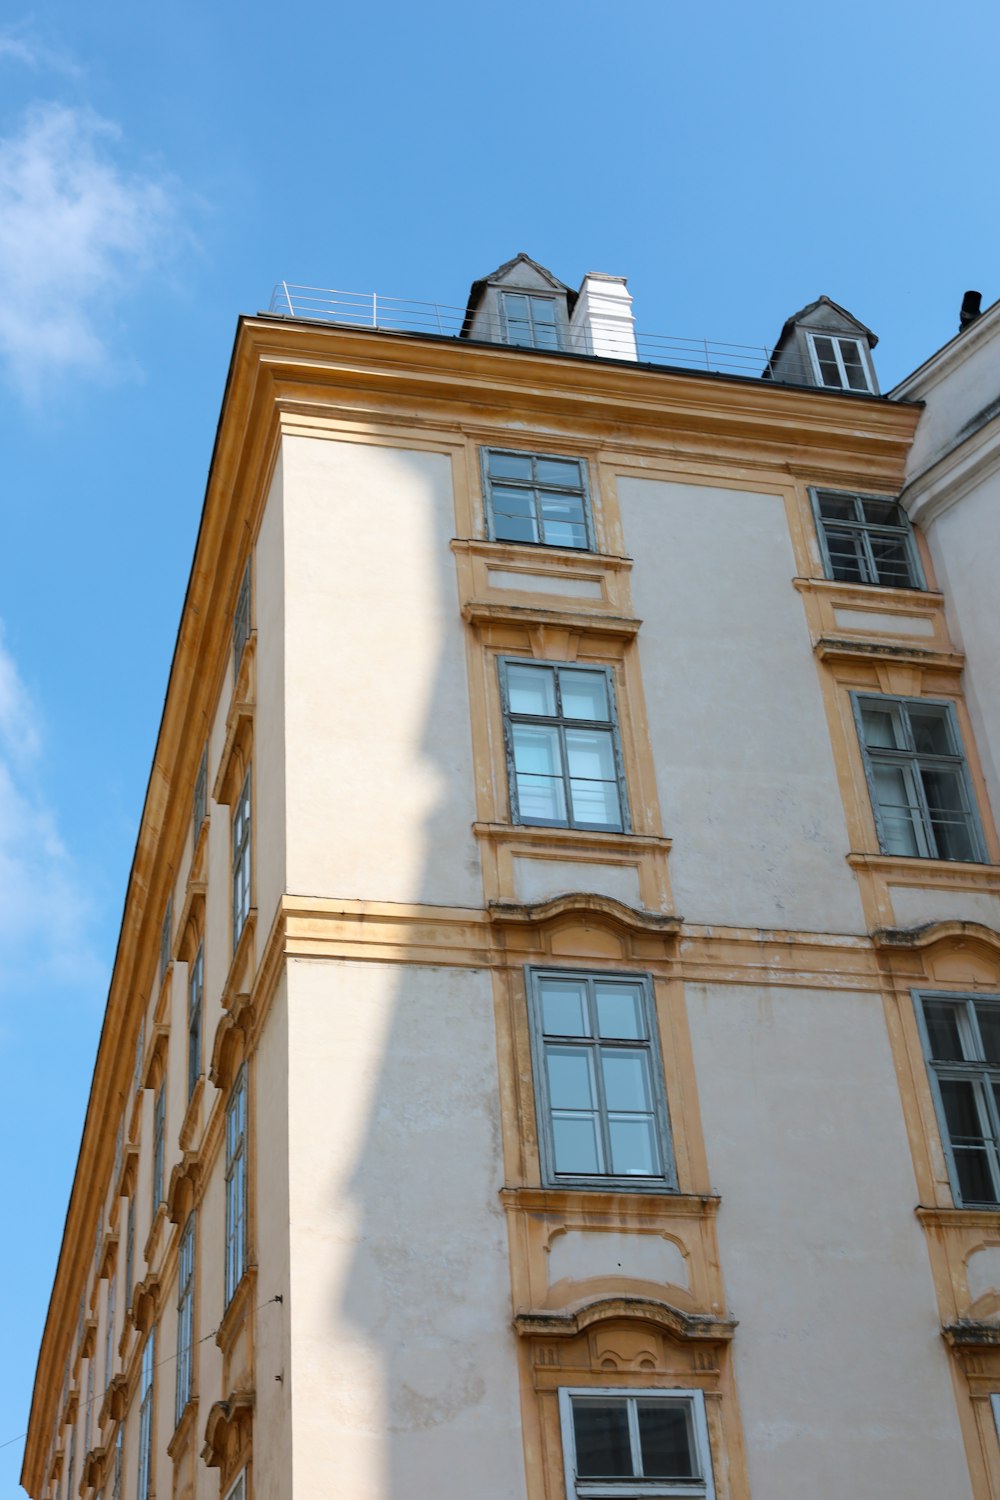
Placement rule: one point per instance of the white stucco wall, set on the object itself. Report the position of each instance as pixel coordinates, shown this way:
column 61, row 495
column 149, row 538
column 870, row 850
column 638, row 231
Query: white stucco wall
column 403, row 1358
column 269, row 721
column 842, row 1373
column 381, row 803
column 746, row 776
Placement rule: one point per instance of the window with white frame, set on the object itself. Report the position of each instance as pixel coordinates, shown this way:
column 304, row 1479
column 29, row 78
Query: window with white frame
column 536, row 497
column 196, row 988
column 185, row 1319
column 619, row 1444
column 838, row 362
column 601, row 1101
column 116, row 1473
column 241, row 620
column 961, row 1036
column 146, row 1383
column 866, row 539
column 918, row 778
column 236, row 1184
column 199, row 802
column 241, row 859
column 532, row 322
column 159, row 1142
column 563, row 751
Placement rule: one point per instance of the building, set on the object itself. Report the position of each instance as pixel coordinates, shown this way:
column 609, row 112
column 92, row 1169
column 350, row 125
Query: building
column 552, row 1050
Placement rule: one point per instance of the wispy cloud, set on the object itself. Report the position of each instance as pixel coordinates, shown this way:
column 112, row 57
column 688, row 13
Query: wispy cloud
column 21, row 43
column 78, row 232
column 46, row 914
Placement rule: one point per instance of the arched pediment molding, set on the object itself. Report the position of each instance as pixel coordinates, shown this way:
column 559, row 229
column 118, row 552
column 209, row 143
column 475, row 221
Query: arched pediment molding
column 191, row 924
column 571, row 1321
column 182, row 1189
column 228, row 1431
column 952, row 951
column 582, row 922
column 156, row 1056
column 230, row 1044
column 145, row 1302
column 115, row 1400
column 94, row 1469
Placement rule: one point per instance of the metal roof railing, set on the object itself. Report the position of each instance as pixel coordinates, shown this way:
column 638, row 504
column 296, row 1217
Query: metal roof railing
column 438, row 319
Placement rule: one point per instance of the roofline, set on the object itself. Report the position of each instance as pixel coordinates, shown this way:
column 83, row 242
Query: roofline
column 972, row 334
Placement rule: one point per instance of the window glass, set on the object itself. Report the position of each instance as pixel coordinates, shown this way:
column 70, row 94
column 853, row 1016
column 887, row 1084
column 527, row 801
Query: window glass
column 536, row 498
column 645, row 1443
column 943, row 1030
column 620, row 1011
column 988, row 1016
column 531, row 690
column 666, row 1440
column 962, row 1039
column 564, row 1008
column 866, row 539
column 602, row 1439
column 850, row 353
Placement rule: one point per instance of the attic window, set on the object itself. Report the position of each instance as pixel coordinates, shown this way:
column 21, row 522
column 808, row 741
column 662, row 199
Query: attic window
column 839, row 363
column 530, row 321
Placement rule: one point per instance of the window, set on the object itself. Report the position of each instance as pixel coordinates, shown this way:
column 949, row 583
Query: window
column 166, row 938
column 129, row 1251
column 602, row 1116
column 241, row 860
column 866, row 539
column 839, row 363
column 236, row 1184
column 71, row 1469
column 116, row 1483
column 196, row 986
column 241, row 620
column 239, row 1489
column 534, row 497
column 88, row 1414
column 563, row 756
column 159, row 1133
column 918, row 780
column 109, row 1335
column 962, row 1041
column 532, row 322
column 199, row 809
column 185, row 1319
column 643, row 1443
column 140, row 1047
column 119, row 1147
column 144, row 1485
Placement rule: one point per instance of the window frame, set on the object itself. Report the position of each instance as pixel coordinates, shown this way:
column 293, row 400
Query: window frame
column 974, row 1069
column 666, row 1182
column 199, row 797
column 184, row 1387
column 147, row 1387
column 241, row 845
column 241, row 620
column 129, row 1252
column 910, row 758
column 237, row 1200
column 196, row 1003
column 863, row 527
column 585, row 493
column 159, row 1144
column 625, row 1488
column 530, row 296
column 612, row 723
column 239, row 1483
column 167, row 938
column 837, row 339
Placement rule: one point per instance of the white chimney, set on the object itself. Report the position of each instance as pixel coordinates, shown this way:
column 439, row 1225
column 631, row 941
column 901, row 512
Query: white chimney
column 602, row 321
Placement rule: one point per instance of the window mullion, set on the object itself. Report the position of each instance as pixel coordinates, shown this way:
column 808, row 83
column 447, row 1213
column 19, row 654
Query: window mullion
column 602, row 1103
column 930, row 836
column 632, row 1407
column 841, row 368
column 567, row 789
column 869, row 554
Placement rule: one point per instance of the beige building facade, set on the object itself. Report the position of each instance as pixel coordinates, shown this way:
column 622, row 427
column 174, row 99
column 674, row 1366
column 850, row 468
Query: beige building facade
column 553, row 1049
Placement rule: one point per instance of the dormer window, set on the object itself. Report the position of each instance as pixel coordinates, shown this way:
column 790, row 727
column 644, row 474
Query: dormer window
column 530, row 321
column 839, row 363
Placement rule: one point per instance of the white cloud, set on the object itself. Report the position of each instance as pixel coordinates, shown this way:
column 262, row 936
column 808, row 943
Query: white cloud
column 21, row 44
column 46, row 913
column 78, row 230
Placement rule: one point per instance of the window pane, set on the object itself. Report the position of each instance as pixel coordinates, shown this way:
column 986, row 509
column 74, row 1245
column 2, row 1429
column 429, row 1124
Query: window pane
column 949, row 820
column 531, row 690
column 943, row 1030
column 666, row 1441
column 883, row 512
column 562, row 520
column 564, row 1007
column 633, row 1146
column 850, row 353
column 603, row 1450
column 576, row 1145
column 543, row 309
column 538, row 769
column 931, row 731
column 988, row 1017
column 514, row 515
column 834, row 507
column 571, row 1077
column 561, row 471
column 847, row 559
column 626, row 1079
column 620, row 1011
column 963, row 1111
column 892, row 562
column 882, row 728
column 593, row 779
column 829, row 372
column 900, row 811
column 510, row 466
column 584, row 695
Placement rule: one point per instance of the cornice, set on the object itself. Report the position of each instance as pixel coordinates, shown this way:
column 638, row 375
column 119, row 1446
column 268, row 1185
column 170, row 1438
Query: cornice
column 943, row 361
column 952, row 476
column 569, row 1322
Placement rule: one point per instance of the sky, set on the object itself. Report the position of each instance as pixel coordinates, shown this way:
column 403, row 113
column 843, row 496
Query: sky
column 162, row 167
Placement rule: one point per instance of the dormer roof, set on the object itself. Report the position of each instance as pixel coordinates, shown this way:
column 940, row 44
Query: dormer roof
column 825, row 304
column 508, row 275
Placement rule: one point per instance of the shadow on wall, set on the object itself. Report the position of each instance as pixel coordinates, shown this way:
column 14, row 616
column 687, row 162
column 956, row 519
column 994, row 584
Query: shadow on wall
column 404, row 1363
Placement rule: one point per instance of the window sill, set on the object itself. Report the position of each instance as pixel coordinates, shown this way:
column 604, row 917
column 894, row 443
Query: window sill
column 184, row 1430
column 844, row 592
column 980, row 1216
column 239, row 1310
column 555, row 836
column 974, row 873
column 609, row 1200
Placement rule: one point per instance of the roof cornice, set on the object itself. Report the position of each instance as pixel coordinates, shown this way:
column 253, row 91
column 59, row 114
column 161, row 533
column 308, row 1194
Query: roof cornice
column 946, row 359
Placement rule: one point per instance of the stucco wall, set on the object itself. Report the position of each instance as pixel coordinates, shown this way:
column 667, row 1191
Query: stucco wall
column 843, row 1376
column 403, row 1361
column 381, row 803
column 745, row 770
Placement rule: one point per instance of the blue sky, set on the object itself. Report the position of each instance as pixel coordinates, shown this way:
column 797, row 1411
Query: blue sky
column 162, row 167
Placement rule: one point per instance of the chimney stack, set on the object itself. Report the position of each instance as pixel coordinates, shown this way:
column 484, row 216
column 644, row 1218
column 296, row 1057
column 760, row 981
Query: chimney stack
column 970, row 310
